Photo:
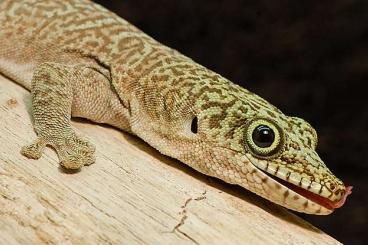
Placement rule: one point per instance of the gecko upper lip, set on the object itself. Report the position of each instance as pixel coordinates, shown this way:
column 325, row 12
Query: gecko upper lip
column 320, row 200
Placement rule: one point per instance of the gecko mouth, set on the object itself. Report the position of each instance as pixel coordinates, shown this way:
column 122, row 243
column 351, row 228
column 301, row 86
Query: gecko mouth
column 320, row 200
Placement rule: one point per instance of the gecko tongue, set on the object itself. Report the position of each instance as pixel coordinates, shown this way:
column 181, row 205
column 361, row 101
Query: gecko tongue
column 325, row 202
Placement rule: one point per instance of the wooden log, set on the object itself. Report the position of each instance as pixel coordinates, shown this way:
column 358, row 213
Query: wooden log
column 131, row 195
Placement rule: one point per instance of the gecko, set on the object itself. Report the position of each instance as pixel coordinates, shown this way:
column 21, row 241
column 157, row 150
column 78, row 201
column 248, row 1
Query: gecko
column 80, row 60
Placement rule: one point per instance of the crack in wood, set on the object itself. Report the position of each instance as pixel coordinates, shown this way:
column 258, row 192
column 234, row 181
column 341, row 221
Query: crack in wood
column 184, row 216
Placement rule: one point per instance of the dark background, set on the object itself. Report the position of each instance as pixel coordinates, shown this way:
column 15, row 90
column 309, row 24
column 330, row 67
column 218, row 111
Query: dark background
column 309, row 58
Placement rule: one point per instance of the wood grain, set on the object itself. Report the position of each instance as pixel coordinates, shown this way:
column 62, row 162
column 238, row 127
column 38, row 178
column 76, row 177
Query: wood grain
column 132, row 195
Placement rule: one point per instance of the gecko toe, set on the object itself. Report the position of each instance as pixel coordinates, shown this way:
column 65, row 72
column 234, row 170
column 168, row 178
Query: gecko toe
column 76, row 161
column 76, row 153
column 34, row 150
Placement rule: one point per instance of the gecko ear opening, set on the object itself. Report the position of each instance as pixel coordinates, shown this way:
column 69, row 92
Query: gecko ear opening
column 194, row 125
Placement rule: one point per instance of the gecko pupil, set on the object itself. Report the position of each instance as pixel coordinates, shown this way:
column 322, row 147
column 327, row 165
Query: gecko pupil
column 263, row 136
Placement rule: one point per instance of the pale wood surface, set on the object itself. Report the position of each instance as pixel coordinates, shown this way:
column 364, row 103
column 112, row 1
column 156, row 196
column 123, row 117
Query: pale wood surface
column 132, row 195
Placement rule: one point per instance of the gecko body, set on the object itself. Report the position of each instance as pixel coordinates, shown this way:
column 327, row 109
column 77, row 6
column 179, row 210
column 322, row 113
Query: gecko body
column 80, row 60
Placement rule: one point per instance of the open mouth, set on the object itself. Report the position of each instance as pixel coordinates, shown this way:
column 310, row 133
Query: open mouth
column 320, row 200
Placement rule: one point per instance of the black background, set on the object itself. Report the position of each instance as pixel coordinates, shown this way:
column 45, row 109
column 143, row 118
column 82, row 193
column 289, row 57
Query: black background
column 309, row 58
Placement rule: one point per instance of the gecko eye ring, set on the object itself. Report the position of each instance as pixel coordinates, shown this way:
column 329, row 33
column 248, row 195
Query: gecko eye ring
column 263, row 138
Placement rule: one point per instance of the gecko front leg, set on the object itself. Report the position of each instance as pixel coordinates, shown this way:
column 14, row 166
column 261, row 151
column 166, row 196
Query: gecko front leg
column 52, row 98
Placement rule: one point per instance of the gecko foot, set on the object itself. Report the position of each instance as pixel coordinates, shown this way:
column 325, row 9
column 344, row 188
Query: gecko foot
column 73, row 151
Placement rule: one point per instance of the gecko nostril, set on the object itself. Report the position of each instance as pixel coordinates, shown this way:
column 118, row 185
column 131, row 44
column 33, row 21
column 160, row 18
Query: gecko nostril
column 332, row 187
column 194, row 125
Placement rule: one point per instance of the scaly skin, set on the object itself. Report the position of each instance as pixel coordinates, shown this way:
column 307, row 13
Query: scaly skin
column 81, row 60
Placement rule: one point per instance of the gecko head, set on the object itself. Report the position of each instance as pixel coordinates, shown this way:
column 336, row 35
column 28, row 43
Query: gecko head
column 242, row 139
column 284, row 151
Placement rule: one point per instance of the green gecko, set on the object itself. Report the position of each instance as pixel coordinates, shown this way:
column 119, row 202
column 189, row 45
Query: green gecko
column 80, row 60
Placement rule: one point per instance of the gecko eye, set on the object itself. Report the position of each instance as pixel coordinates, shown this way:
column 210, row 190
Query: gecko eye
column 263, row 138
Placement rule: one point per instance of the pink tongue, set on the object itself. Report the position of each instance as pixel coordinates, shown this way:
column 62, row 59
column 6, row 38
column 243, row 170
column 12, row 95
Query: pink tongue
column 339, row 204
